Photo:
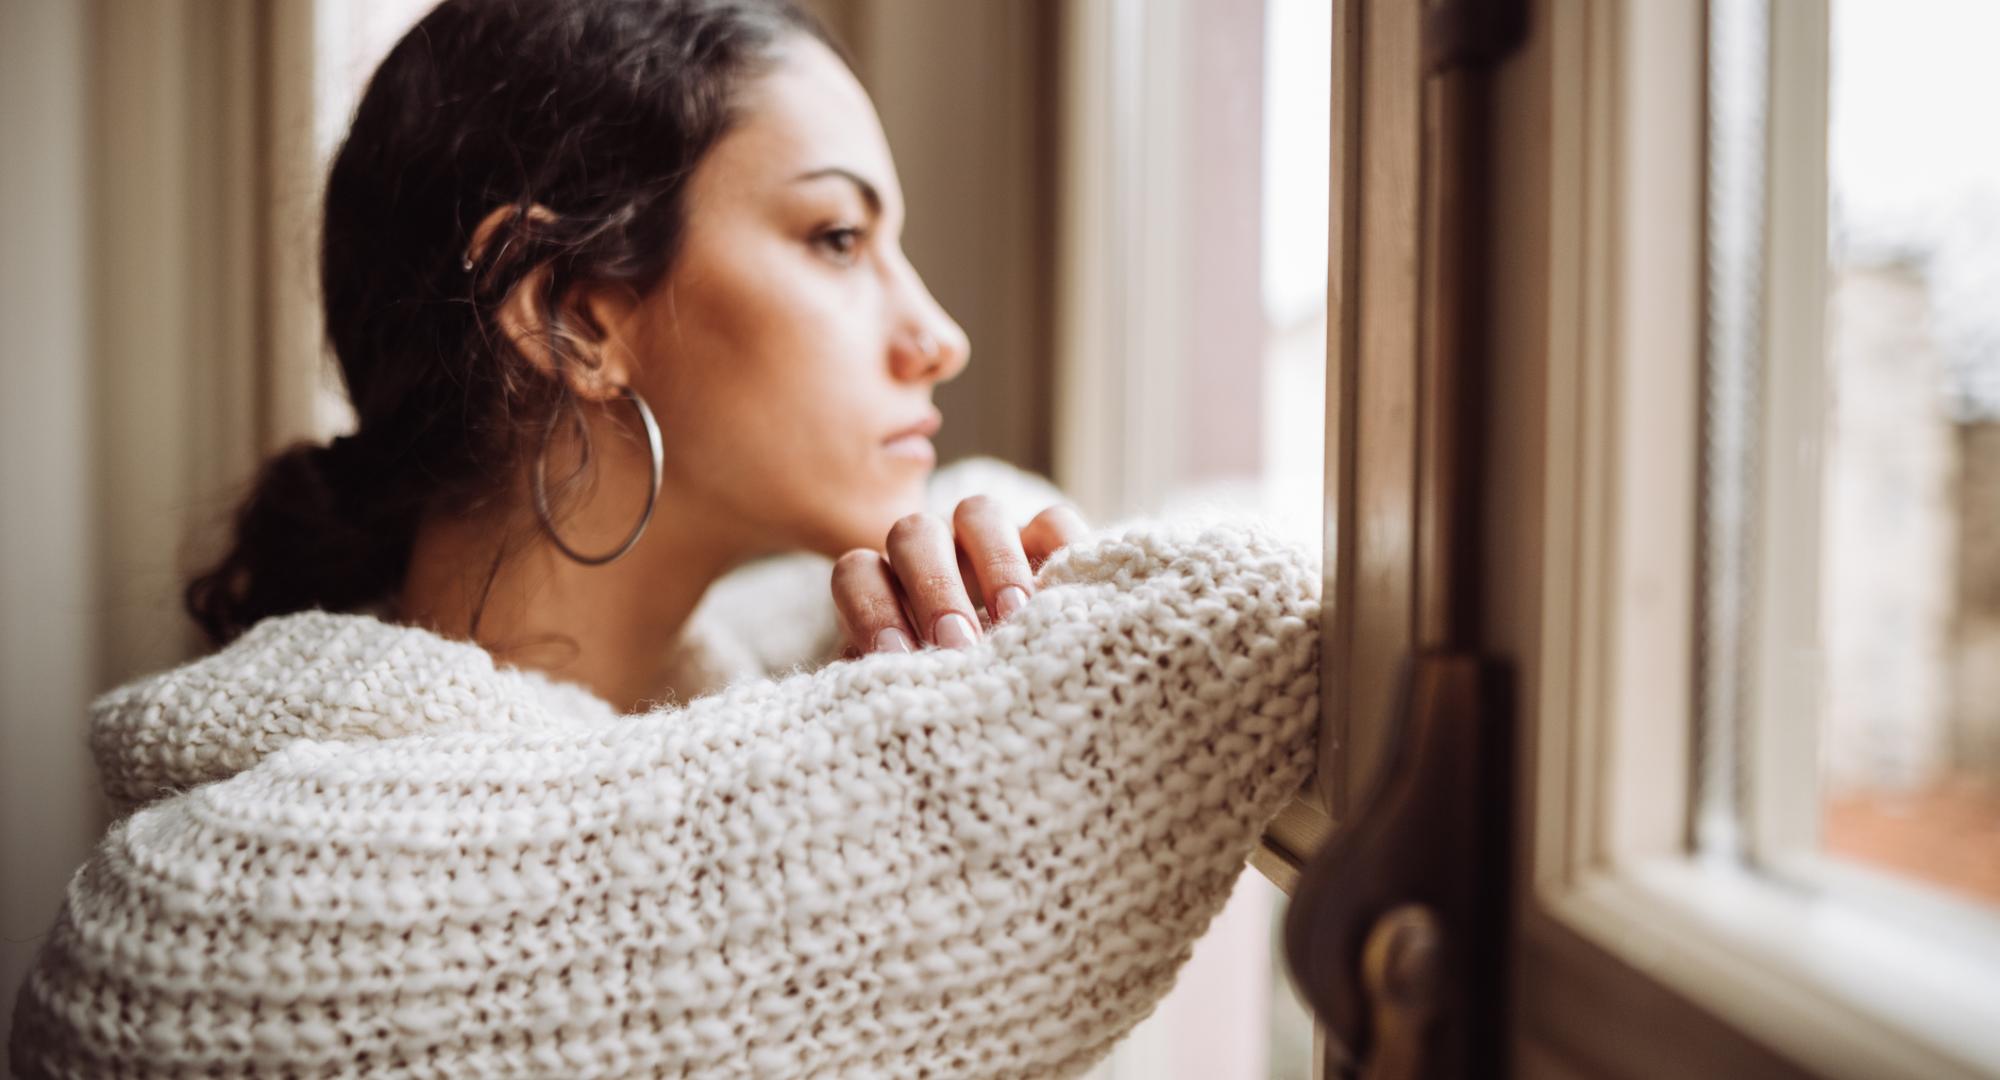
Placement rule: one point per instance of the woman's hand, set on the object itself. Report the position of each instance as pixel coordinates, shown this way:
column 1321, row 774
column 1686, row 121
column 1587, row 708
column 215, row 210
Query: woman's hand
column 934, row 578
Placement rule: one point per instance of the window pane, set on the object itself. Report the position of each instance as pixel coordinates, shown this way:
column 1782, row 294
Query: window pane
column 1254, row 395
column 1250, row 118
column 1910, row 560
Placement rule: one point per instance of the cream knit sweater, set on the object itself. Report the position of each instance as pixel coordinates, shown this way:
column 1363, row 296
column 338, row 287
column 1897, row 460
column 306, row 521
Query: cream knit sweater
column 364, row 850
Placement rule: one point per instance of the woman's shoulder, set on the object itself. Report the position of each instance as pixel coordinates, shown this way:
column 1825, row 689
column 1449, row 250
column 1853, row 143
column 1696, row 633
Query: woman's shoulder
column 309, row 675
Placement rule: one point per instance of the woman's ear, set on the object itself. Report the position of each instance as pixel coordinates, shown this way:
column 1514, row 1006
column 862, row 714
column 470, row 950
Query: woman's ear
column 589, row 320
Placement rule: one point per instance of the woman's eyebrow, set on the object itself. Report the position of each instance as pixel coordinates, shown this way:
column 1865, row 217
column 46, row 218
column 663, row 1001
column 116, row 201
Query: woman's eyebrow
column 869, row 194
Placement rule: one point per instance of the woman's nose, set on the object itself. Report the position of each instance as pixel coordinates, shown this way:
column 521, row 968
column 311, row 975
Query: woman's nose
column 929, row 344
column 931, row 350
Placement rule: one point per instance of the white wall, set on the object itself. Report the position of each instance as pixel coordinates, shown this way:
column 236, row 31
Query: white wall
column 155, row 349
column 49, row 810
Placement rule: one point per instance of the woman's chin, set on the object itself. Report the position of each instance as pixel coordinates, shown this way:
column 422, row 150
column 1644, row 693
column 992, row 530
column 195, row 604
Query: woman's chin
column 862, row 526
column 872, row 530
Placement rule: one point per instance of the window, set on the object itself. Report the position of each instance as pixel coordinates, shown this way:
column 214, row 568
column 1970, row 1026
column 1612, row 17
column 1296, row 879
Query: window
column 1845, row 466
column 1910, row 525
column 1750, row 629
column 1193, row 336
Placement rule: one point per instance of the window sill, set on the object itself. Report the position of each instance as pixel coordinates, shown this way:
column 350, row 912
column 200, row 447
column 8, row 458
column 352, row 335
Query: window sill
column 1826, row 981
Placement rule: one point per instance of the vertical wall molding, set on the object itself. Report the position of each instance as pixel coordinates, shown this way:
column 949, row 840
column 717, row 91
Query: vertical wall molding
column 49, row 807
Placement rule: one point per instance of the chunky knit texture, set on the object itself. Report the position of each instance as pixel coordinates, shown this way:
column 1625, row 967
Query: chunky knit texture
column 401, row 860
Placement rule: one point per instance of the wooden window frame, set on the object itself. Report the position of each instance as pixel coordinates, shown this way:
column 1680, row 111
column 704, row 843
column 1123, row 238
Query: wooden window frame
column 1373, row 416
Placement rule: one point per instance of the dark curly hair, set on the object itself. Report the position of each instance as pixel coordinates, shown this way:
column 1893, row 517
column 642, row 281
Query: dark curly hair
column 597, row 110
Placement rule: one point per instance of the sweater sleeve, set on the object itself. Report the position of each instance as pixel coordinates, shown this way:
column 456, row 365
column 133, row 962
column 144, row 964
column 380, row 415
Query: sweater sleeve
column 944, row 864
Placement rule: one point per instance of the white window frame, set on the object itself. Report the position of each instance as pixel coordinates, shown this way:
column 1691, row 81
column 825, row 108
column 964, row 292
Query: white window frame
column 1818, row 976
column 1120, row 260
column 1784, row 801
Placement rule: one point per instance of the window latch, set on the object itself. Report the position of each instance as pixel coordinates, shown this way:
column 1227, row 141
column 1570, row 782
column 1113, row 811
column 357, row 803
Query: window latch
column 1397, row 929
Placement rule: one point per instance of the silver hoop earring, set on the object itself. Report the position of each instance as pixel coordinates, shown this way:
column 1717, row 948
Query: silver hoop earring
column 547, row 519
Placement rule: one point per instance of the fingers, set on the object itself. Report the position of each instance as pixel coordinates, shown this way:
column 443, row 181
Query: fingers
column 991, row 549
column 871, row 611
column 1050, row 532
column 925, row 561
column 924, row 590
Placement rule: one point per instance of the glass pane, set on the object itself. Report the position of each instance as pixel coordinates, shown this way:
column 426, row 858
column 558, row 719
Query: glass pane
column 1254, row 397
column 1910, row 561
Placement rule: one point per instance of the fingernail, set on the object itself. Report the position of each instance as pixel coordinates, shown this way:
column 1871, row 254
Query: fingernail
column 890, row 639
column 1009, row 600
column 954, row 631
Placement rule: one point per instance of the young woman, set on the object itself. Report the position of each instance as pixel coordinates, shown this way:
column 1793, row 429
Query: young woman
column 553, row 228
column 616, row 291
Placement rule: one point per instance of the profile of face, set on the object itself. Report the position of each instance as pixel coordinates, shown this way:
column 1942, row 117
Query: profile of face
column 791, row 351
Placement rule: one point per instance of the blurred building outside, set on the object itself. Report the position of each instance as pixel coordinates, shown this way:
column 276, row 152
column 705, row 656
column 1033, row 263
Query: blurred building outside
column 1911, row 534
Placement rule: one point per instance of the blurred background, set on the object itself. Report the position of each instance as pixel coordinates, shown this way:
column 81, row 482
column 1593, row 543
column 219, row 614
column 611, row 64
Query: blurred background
column 1910, row 570
column 1123, row 201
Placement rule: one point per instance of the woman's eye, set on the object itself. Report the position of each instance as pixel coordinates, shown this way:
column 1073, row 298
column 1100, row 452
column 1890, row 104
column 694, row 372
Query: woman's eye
column 842, row 243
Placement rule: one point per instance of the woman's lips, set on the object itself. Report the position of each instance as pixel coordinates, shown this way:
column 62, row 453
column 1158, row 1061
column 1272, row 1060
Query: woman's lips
column 912, row 447
column 914, row 442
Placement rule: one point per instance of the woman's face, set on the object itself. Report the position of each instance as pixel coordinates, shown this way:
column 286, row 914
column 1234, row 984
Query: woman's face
column 792, row 343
